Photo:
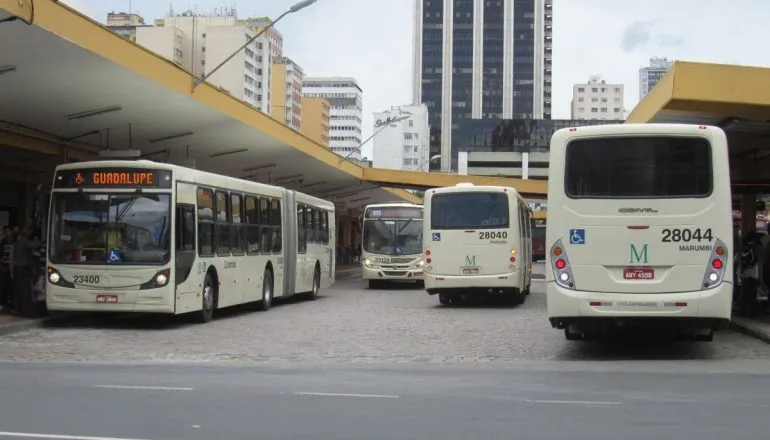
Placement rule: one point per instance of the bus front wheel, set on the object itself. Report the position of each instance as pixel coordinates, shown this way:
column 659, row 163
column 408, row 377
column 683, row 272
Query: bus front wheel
column 208, row 299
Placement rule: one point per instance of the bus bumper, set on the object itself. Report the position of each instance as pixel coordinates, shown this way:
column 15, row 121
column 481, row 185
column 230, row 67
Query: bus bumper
column 435, row 283
column 368, row 273
column 81, row 300
column 566, row 305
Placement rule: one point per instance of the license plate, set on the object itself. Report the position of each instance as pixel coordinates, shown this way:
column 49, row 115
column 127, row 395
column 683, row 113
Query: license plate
column 470, row 270
column 639, row 273
column 418, row 274
column 109, row 299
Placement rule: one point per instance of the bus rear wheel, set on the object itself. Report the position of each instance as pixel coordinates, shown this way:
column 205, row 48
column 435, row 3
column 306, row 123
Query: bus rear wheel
column 313, row 294
column 267, row 291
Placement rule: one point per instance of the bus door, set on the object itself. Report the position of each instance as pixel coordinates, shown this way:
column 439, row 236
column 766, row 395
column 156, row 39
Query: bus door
column 471, row 233
column 641, row 214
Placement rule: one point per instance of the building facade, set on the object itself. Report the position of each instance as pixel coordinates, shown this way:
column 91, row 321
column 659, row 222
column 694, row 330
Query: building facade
column 286, row 92
column 516, row 148
column 597, row 100
column 405, row 144
column 650, row 75
column 315, row 119
column 198, row 43
column 346, row 100
column 480, row 59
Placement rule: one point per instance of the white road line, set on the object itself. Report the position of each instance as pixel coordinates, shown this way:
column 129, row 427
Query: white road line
column 59, row 436
column 574, row 402
column 132, row 387
column 375, row 396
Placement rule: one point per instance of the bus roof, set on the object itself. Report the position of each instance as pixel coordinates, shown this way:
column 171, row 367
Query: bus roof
column 396, row 204
column 563, row 135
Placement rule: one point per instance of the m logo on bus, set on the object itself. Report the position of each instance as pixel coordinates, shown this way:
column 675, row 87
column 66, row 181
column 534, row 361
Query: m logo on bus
column 470, row 260
column 638, row 256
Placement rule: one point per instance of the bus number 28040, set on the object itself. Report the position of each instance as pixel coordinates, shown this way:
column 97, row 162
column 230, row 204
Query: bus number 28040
column 491, row 235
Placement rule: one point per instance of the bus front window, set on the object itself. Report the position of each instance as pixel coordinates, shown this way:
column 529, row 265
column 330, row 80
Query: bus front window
column 88, row 228
column 393, row 237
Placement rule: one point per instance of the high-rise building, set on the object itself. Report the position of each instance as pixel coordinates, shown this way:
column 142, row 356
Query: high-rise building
column 346, row 100
column 405, row 144
column 198, row 43
column 478, row 59
column 286, row 92
column 315, row 119
column 650, row 75
column 597, row 100
column 273, row 36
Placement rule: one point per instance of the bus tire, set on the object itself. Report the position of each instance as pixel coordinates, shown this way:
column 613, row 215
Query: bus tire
column 444, row 299
column 572, row 336
column 267, row 291
column 313, row 294
column 208, row 300
column 373, row 284
column 705, row 337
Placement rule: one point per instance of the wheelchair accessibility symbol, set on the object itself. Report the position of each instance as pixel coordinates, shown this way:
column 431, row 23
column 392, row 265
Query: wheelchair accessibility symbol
column 437, row 236
column 113, row 256
column 577, row 236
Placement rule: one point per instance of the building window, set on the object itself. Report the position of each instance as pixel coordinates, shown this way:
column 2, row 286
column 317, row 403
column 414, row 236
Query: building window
column 580, row 99
column 594, row 110
column 594, row 89
column 617, row 89
column 581, row 89
column 617, row 109
column 411, row 123
column 604, row 109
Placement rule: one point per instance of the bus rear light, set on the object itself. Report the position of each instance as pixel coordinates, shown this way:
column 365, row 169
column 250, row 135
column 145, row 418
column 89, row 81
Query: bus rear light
column 513, row 259
column 427, row 252
column 428, row 261
column 560, row 266
column 715, row 271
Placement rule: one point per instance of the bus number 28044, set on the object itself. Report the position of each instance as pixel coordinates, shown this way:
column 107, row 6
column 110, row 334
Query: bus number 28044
column 685, row 235
column 491, row 235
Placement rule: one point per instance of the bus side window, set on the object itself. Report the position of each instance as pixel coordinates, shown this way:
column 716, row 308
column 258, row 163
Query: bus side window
column 301, row 230
column 276, row 219
column 237, row 230
column 309, row 223
column 264, row 224
column 222, row 224
column 324, row 227
column 316, row 225
column 205, row 222
column 252, row 226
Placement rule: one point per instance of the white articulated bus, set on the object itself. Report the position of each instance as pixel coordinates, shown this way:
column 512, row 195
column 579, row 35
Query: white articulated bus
column 639, row 227
column 391, row 247
column 140, row 236
column 478, row 239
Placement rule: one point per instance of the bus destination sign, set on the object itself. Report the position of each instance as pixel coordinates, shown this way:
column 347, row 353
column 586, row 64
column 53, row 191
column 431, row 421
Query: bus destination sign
column 113, row 178
column 393, row 212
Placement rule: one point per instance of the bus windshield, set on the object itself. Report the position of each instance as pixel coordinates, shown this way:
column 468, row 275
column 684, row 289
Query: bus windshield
column 469, row 210
column 638, row 167
column 122, row 228
column 393, row 237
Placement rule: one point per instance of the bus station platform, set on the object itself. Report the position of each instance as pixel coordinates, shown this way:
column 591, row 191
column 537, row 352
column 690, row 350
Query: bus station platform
column 70, row 88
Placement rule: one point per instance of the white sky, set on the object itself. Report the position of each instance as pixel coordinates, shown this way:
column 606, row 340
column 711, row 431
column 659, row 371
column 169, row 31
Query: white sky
column 371, row 40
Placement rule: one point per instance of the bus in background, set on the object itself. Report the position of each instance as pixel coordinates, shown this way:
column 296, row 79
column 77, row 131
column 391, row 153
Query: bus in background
column 477, row 240
column 391, row 247
column 639, row 229
column 141, row 236
column 538, row 240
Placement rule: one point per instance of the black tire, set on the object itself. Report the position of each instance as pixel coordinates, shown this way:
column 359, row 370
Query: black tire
column 208, row 300
column 444, row 299
column 267, row 291
column 373, row 284
column 572, row 336
column 313, row 294
column 708, row 337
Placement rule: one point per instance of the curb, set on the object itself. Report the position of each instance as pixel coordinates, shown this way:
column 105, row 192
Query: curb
column 22, row 325
column 746, row 327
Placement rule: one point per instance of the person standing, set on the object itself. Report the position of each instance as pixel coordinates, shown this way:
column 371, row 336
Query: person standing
column 6, row 284
column 23, row 264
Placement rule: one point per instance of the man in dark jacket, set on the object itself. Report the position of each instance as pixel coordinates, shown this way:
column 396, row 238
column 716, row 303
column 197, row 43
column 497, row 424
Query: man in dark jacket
column 23, row 264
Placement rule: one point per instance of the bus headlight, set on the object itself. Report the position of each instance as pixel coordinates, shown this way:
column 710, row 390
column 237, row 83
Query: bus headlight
column 161, row 279
column 54, row 277
column 421, row 263
column 368, row 263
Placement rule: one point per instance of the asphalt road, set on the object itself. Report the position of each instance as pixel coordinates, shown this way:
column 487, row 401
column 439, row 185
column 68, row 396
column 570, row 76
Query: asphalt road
column 351, row 324
column 412, row 401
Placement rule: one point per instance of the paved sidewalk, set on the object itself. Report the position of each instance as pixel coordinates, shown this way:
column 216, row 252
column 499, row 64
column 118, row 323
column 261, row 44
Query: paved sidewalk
column 758, row 327
column 348, row 271
column 11, row 324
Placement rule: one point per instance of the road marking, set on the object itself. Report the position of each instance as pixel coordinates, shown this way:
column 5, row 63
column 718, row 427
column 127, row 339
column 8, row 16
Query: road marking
column 132, row 387
column 60, row 437
column 375, row 396
column 574, row 402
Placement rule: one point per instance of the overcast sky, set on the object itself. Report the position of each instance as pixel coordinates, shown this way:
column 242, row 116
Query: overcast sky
column 371, row 40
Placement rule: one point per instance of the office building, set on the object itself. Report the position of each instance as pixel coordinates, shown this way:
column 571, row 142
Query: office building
column 346, row 100
column 315, row 119
column 477, row 59
column 286, row 92
column 650, row 75
column 597, row 100
column 125, row 24
column 404, row 144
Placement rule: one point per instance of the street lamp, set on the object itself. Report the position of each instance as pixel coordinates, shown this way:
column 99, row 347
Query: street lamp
column 388, row 122
column 429, row 160
column 296, row 8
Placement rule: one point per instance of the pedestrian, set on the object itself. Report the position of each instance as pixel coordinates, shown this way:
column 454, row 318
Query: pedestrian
column 23, row 264
column 6, row 284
